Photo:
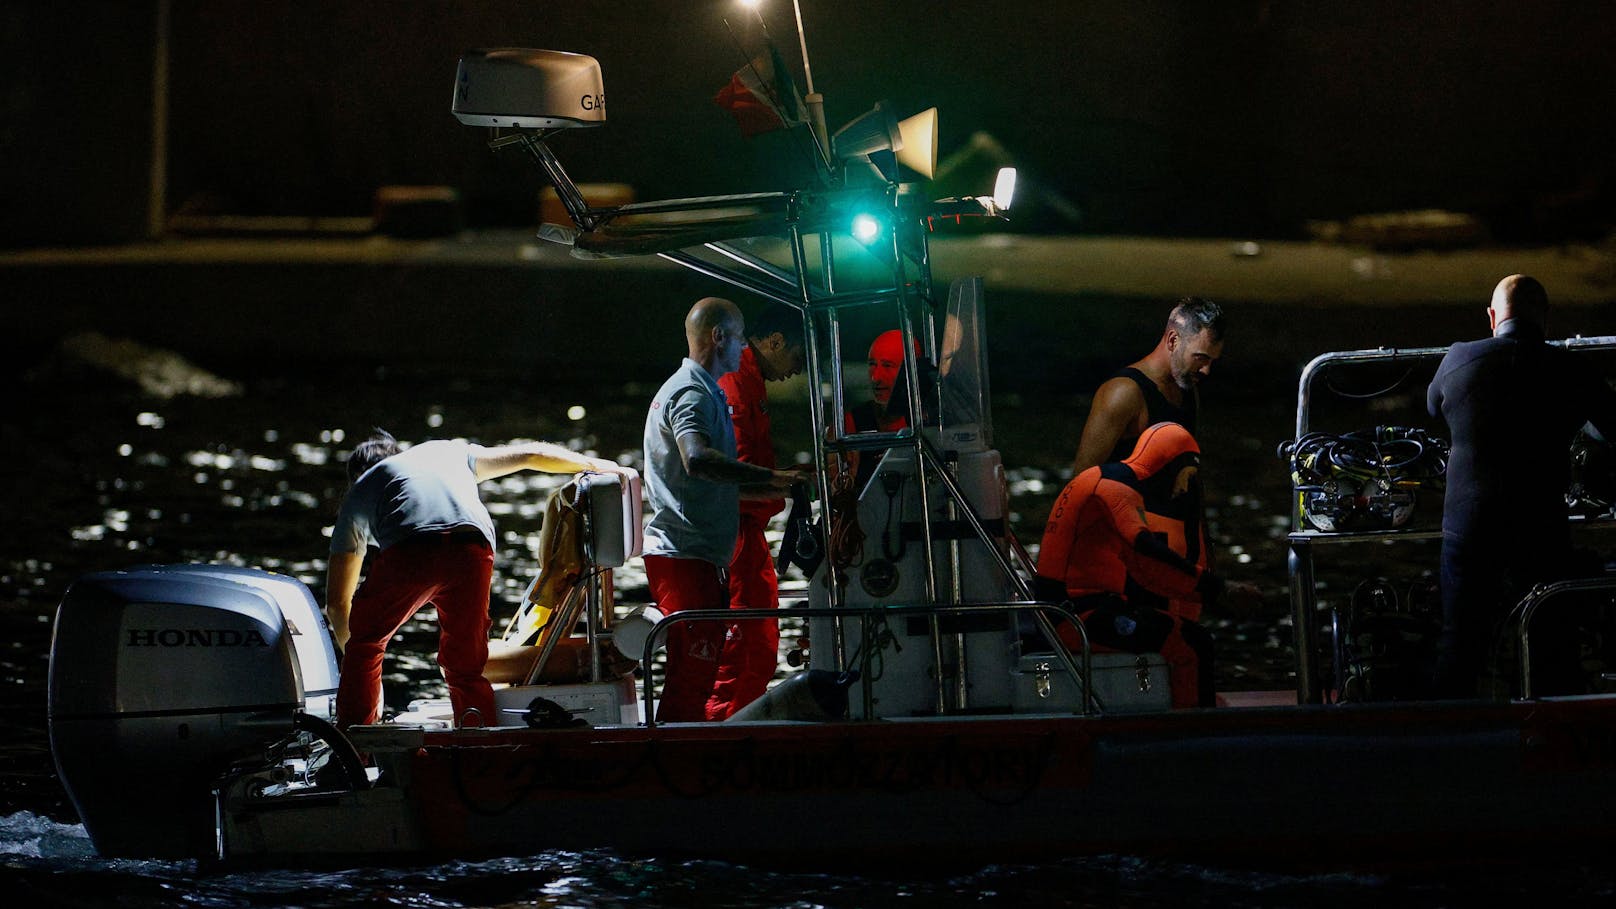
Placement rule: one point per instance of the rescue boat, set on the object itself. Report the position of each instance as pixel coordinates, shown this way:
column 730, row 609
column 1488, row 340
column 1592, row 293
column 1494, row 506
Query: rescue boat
column 938, row 718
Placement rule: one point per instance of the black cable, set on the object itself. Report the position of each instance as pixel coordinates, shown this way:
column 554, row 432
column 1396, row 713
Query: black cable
column 892, row 482
column 1373, row 394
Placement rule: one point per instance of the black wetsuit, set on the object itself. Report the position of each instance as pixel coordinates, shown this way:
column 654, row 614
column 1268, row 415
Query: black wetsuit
column 1513, row 405
column 1157, row 410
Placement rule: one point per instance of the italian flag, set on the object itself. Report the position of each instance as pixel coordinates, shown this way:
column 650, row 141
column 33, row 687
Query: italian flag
column 761, row 96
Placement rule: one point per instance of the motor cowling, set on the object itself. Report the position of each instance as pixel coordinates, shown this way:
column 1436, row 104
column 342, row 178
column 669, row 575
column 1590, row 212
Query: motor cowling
column 160, row 679
column 316, row 662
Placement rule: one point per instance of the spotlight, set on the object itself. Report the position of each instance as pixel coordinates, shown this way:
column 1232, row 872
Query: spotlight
column 958, row 208
column 874, row 130
column 1004, row 188
column 919, row 151
column 879, row 137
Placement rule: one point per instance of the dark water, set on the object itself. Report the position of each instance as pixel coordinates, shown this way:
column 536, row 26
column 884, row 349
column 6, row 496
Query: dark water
column 100, row 475
column 46, row 863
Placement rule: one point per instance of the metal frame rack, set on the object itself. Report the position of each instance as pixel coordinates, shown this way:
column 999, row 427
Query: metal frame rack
column 1301, row 541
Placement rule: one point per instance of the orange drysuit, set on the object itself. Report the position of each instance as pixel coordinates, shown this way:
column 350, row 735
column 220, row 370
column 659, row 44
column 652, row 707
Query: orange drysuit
column 1099, row 537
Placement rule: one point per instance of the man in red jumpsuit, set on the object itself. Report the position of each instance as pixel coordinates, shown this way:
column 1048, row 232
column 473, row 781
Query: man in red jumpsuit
column 1098, row 539
column 773, row 353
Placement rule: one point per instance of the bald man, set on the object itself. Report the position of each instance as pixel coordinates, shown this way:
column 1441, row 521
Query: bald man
column 886, row 365
column 1513, row 405
column 693, row 486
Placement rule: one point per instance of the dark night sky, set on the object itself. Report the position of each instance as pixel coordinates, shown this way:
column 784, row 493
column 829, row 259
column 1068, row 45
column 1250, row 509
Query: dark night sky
column 1234, row 117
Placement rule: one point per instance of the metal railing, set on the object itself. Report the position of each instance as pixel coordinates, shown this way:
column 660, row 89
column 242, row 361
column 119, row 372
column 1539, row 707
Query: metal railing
column 1301, row 540
column 1078, row 669
column 1520, row 618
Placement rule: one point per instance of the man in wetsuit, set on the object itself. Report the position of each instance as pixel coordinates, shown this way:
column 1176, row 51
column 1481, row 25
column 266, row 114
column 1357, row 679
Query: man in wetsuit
column 693, row 484
column 773, row 353
column 1097, row 539
column 420, row 507
column 1160, row 388
column 1513, row 405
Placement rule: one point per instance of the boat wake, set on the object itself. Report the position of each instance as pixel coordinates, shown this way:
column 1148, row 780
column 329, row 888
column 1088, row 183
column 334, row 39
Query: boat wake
column 29, row 835
column 52, row 863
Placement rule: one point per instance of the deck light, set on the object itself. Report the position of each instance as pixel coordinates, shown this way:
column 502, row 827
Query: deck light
column 1004, row 188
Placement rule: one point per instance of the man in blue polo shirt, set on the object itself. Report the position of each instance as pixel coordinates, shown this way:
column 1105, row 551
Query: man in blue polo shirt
column 693, row 487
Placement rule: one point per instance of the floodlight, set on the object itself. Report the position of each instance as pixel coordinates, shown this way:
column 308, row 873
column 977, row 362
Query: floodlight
column 880, row 137
column 872, row 131
column 994, row 206
column 919, row 149
column 1004, row 188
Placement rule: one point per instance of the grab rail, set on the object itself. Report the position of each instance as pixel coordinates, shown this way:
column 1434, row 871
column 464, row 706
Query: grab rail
column 1523, row 613
column 1081, row 671
column 1301, row 540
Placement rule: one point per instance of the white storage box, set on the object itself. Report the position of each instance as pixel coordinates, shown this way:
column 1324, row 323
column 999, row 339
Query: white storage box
column 598, row 703
column 1124, row 683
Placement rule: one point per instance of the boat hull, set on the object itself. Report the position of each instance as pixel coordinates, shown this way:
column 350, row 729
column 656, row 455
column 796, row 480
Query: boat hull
column 1371, row 783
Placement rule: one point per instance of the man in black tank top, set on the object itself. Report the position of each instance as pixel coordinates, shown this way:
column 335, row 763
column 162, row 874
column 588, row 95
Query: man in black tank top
column 1157, row 409
column 1161, row 387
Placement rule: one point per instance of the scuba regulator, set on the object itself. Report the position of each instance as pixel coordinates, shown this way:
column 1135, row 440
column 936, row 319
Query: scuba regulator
column 1364, row 480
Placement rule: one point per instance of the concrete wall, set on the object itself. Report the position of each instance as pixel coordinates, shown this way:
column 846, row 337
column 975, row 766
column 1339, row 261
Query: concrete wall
column 1148, row 116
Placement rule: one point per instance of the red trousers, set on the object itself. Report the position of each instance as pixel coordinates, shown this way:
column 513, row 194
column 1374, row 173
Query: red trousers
column 693, row 647
column 452, row 573
column 752, row 648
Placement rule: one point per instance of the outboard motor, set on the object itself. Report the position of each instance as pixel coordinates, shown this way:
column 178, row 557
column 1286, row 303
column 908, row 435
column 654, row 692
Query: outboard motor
column 316, row 656
column 162, row 678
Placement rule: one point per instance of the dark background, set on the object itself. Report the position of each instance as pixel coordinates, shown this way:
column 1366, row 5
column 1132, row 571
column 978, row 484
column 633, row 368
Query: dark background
column 1230, row 118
